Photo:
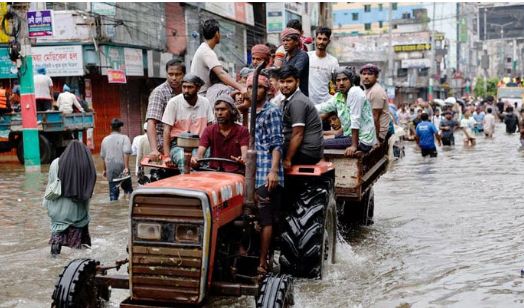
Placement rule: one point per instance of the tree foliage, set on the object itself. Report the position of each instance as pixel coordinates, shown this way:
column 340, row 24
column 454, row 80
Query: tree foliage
column 483, row 91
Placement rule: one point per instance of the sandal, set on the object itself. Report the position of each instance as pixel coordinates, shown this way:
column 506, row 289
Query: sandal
column 261, row 273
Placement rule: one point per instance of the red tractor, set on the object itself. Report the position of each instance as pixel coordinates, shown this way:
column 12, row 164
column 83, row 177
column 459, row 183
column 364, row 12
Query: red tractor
column 194, row 235
column 185, row 236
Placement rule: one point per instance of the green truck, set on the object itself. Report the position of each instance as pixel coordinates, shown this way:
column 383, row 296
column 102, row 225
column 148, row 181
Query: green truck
column 56, row 130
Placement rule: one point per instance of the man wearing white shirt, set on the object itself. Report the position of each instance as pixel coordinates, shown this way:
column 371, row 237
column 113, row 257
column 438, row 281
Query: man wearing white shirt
column 205, row 59
column 321, row 66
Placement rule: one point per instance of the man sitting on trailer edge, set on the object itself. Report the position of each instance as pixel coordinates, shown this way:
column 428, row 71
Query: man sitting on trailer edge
column 225, row 138
column 355, row 116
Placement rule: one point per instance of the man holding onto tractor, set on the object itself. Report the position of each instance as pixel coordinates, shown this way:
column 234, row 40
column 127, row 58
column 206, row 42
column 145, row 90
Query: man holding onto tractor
column 269, row 180
column 225, row 138
column 186, row 112
column 301, row 124
column 175, row 71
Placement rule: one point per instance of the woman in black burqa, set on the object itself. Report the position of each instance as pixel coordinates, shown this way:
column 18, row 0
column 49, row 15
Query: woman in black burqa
column 69, row 213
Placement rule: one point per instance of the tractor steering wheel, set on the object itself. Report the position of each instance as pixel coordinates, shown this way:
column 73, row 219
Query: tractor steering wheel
column 221, row 161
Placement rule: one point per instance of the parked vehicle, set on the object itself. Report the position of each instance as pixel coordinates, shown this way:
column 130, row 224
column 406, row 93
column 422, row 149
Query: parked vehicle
column 55, row 129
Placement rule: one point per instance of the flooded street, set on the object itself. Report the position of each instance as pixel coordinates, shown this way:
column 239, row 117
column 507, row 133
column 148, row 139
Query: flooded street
column 447, row 233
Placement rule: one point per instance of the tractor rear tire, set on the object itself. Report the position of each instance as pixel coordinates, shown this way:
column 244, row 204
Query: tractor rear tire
column 276, row 292
column 77, row 286
column 309, row 229
column 47, row 153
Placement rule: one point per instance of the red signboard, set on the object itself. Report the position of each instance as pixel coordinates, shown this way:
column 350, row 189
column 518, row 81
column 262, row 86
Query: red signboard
column 116, row 76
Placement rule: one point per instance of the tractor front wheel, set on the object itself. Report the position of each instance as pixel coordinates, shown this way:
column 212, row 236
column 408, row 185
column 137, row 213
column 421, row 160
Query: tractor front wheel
column 77, row 286
column 276, row 292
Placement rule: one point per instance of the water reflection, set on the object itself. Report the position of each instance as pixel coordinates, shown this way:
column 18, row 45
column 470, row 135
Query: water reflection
column 446, row 233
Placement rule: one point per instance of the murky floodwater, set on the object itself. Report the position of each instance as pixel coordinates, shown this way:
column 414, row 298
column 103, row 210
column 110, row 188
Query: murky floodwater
column 447, row 233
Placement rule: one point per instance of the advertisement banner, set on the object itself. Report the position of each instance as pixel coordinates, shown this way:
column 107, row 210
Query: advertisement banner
column 274, row 17
column 116, row 76
column 4, row 38
column 156, row 63
column 112, row 57
column 134, row 62
column 415, row 63
column 88, row 89
column 7, row 67
column 59, row 61
column 238, row 11
column 40, row 23
column 104, row 8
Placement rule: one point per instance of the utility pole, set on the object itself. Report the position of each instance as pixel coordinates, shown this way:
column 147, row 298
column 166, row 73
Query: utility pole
column 390, row 50
column 432, row 67
column 29, row 124
column 27, row 100
column 458, row 36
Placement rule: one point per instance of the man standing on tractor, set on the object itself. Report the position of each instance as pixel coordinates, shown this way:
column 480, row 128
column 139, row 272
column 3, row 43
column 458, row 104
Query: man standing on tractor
column 296, row 57
column 379, row 101
column 158, row 99
column 226, row 138
column 205, row 59
column 321, row 66
column 186, row 112
column 301, row 124
column 269, row 180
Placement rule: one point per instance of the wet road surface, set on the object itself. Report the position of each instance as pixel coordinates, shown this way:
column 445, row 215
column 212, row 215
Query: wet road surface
column 447, row 233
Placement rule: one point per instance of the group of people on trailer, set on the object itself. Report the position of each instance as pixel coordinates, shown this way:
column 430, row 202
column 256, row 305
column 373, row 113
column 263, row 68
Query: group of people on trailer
column 294, row 109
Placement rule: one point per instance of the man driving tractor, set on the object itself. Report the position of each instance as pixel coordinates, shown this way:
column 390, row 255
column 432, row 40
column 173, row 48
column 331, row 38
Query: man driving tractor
column 226, row 139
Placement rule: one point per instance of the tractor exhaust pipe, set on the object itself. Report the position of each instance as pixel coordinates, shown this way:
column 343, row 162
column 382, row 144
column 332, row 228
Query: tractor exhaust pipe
column 251, row 152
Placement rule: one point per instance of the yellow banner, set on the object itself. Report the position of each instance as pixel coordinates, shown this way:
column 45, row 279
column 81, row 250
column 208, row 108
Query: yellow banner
column 412, row 47
column 4, row 38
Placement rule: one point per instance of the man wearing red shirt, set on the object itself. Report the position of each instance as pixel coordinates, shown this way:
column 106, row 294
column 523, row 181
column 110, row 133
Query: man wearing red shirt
column 225, row 138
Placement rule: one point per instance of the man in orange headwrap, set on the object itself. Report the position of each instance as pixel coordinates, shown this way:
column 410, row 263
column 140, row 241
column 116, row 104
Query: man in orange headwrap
column 259, row 54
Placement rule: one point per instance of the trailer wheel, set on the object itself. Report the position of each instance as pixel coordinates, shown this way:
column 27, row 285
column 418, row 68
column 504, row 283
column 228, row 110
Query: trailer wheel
column 77, row 286
column 357, row 213
column 46, row 150
column 276, row 292
column 309, row 230
column 370, row 208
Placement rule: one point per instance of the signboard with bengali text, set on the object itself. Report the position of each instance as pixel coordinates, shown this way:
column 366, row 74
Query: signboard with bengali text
column 412, row 47
column 7, row 67
column 134, row 62
column 59, row 61
column 40, row 23
column 112, row 57
column 116, row 76
column 274, row 17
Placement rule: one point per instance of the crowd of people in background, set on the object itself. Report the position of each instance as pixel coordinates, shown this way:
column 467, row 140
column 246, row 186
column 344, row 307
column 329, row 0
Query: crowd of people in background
column 473, row 116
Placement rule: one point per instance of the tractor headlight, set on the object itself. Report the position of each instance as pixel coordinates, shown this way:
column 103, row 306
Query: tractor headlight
column 187, row 234
column 149, row 231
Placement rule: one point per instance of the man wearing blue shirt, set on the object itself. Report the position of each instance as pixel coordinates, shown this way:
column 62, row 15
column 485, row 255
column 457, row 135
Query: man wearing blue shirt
column 426, row 132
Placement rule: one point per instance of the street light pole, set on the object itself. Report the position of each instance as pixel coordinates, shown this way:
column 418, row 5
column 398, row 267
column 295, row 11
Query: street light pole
column 432, row 68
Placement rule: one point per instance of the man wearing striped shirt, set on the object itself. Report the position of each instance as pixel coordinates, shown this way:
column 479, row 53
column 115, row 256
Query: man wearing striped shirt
column 158, row 99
